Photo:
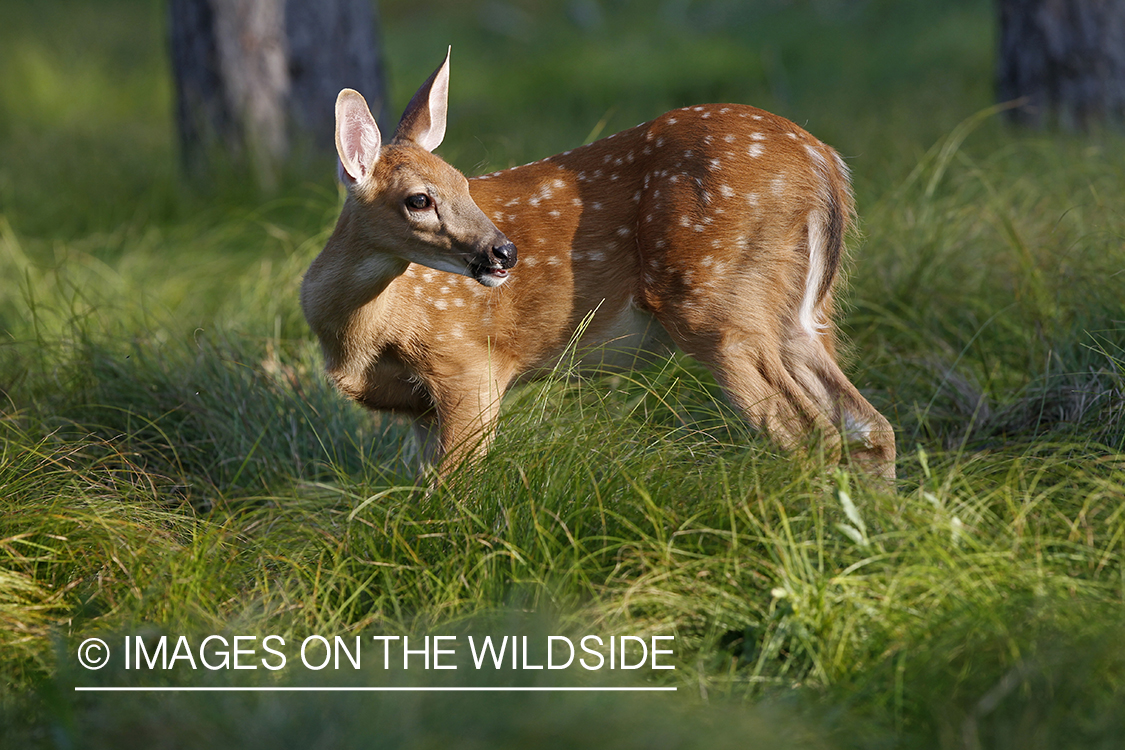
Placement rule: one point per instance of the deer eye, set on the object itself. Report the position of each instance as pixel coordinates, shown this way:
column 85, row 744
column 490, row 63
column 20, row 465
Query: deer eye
column 418, row 202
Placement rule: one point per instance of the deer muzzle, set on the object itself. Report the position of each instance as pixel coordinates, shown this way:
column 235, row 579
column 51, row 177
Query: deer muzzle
column 491, row 267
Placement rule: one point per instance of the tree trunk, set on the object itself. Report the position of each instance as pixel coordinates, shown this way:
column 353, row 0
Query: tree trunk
column 256, row 80
column 1067, row 58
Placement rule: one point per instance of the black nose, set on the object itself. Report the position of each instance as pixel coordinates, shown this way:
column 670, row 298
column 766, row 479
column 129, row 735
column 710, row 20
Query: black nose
column 506, row 254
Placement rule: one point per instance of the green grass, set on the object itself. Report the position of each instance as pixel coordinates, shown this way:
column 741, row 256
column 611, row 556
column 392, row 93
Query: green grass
column 173, row 462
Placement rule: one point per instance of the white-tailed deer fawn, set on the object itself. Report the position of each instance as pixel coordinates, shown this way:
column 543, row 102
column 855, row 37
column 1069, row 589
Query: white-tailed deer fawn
column 719, row 227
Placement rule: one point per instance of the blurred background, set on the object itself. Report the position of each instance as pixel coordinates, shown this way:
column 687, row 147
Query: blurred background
column 89, row 102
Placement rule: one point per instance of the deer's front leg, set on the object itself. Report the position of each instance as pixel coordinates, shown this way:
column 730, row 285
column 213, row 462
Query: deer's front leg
column 466, row 409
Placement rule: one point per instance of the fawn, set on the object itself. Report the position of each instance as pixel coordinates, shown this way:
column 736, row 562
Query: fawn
column 718, row 228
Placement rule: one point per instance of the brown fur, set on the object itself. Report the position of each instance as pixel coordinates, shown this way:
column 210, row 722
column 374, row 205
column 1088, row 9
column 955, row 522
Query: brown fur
column 694, row 228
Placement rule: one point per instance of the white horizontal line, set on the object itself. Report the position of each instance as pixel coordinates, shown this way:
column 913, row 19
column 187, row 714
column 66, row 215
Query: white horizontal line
column 373, row 689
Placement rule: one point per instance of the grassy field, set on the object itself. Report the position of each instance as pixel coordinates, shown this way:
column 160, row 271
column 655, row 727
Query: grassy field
column 172, row 461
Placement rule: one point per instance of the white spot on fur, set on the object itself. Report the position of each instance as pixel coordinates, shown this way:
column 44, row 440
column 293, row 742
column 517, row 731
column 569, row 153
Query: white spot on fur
column 755, row 150
column 778, row 184
column 441, row 304
column 726, row 191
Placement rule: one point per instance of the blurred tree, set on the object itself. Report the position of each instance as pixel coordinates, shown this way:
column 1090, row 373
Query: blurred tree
column 1067, row 57
column 256, row 80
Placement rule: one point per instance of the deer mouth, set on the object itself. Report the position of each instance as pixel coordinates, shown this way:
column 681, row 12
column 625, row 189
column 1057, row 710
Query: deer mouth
column 488, row 274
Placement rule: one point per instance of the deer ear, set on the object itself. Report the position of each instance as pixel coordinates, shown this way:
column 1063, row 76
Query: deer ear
column 424, row 119
column 357, row 136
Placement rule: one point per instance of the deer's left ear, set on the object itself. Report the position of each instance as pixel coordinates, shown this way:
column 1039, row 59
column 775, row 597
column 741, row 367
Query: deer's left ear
column 424, row 119
column 357, row 137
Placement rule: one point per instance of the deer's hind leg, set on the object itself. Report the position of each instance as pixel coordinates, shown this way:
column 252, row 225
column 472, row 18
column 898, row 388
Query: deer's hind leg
column 783, row 379
column 869, row 436
column 747, row 359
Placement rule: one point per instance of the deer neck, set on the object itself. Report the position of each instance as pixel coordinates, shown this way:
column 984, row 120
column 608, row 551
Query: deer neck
column 342, row 293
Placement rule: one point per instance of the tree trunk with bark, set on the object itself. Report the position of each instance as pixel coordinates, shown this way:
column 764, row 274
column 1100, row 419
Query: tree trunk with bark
column 1066, row 58
column 256, row 80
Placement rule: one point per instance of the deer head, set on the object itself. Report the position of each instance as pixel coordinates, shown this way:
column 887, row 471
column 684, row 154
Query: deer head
column 409, row 204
